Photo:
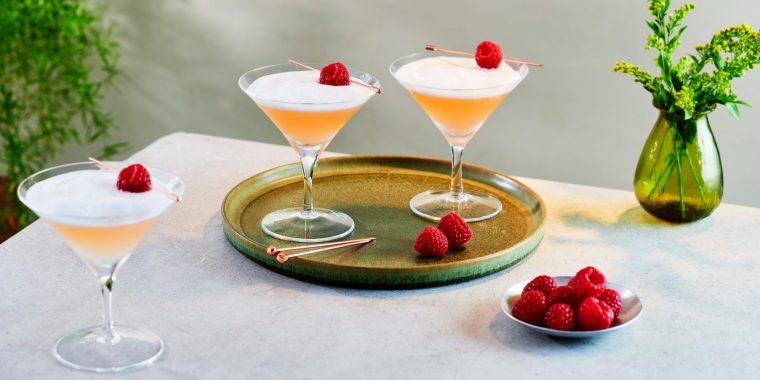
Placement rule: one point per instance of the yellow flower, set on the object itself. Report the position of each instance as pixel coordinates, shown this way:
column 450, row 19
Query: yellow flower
column 684, row 99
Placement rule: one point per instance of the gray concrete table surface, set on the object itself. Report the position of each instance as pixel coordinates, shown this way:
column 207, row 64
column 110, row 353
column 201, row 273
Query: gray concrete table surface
column 223, row 316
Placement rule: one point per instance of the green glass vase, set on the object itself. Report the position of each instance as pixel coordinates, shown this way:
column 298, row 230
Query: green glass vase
column 679, row 177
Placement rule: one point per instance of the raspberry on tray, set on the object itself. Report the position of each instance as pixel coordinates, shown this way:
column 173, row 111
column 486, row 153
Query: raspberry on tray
column 457, row 231
column 431, row 242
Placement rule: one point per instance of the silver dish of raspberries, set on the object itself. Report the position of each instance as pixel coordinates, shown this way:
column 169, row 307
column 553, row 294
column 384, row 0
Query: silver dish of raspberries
column 579, row 306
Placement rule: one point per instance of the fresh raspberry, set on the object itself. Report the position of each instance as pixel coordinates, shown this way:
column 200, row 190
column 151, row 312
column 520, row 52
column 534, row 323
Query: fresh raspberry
column 488, row 55
column 334, row 74
column 543, row 283
column 588, row 282
column 431, row 242
column 455, row 229
column 594, row 315
column 612, row 298
column 530, row 307
column 560, row 316
column 134, row 179
column 574, row 284
column 564, row 294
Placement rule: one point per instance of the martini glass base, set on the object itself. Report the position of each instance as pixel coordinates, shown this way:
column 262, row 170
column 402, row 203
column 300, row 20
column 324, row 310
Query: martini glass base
column 319, row 225
column 472, row 207
column 85, row 350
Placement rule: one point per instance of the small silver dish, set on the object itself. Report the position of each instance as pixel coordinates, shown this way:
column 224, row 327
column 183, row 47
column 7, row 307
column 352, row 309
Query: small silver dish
column 630, row 311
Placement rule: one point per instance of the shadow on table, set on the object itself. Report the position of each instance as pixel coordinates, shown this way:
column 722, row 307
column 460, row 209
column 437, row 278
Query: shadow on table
column 511, row 335
column 242, row 271
column 635, row 217
column 648, row 243
column 641, row 234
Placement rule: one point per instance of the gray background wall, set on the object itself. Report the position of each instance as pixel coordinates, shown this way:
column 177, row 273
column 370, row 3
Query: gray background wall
column 573, row 120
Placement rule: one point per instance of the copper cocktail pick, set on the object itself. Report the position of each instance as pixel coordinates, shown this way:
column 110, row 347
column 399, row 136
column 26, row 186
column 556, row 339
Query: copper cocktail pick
column 103, row 165
column 460, row 52
column 283, row 257
column 377, row 90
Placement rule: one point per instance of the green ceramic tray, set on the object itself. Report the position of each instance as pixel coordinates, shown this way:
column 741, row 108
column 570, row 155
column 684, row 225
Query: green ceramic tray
column 374, row 191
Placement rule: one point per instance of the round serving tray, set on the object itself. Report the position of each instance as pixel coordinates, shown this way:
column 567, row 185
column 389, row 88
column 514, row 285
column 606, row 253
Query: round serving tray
column 375, row 191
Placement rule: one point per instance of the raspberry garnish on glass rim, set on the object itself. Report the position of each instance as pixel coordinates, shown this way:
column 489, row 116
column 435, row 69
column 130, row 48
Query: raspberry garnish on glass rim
column 377, row 90
column 134, row 179
column 334, row 74
column 489, row 61
column 488, row 55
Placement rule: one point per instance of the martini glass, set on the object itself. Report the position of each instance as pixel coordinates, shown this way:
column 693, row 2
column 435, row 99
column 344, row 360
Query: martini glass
column 458, row 113
column 104, row 243
column 309, row 126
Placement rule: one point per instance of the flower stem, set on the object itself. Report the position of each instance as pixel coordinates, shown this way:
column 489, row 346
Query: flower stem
column 670, row 174
column 668, row 167
column 666, row 175
column 696, row 179
column 680, row 182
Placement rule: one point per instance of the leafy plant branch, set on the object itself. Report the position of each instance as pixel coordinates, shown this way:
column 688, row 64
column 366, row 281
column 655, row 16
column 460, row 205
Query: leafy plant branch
column 700, row 81
column 55, row 63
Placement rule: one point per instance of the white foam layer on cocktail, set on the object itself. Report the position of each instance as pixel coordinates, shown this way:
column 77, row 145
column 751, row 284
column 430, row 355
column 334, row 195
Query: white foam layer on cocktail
column 458, row 77
column 90, row 198
column 301, row 91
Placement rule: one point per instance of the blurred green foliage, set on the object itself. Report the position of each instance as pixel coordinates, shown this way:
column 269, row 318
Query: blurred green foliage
column 56, row 60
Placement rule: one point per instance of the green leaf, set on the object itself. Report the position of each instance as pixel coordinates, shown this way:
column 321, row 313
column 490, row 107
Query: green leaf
column 679, row 33
column 723, row 99
column 733, row 109
column 737, row 101
column 662, row 61
column 675, row 81
column 654, row 27
column 112, row 149
column 717, row 61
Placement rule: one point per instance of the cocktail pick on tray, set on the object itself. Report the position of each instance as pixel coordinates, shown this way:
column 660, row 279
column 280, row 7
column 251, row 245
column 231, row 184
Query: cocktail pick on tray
column 466, row 53
column 305, row 66
column 283, row 257
column 103, row 165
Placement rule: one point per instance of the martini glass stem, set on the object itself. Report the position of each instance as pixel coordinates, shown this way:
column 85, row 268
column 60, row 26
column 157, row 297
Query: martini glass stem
column 308, row 163
column 108, row 335
column 456, row 193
